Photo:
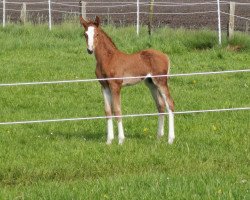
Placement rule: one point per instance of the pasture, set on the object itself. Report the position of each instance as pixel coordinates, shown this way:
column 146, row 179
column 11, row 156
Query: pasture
column 209, row 159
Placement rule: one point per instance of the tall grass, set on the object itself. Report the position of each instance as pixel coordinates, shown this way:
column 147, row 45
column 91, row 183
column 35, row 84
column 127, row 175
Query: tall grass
column 69, row 160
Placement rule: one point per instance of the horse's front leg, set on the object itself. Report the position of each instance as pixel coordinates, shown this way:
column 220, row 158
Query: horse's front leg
column 108, row 111
column 116, row 102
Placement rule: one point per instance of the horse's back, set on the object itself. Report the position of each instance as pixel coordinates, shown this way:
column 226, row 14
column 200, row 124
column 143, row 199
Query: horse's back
column 156, row 60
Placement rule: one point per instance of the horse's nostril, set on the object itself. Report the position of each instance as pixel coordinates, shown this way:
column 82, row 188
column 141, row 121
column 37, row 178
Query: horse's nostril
column 89, row 51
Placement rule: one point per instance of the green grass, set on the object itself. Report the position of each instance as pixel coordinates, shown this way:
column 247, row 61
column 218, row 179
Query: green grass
column 210, row 158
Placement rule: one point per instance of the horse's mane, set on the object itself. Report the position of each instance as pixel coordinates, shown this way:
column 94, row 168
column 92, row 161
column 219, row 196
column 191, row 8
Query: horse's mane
column 107, row 36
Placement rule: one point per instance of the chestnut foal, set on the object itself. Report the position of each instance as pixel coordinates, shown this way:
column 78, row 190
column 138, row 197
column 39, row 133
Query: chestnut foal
column 112, row 63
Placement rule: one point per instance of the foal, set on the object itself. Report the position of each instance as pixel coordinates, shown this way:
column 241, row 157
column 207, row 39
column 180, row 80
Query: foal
column 112, row 63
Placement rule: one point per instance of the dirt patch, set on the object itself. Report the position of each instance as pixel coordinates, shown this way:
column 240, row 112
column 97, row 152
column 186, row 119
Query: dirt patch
column 174, row 15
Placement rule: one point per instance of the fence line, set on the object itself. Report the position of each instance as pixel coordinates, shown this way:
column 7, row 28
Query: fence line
column 41, row 10
column 119, row 4
column 137, row 5
column 163, row 4
column 96, row 6
column 245, row 4
column 245, row 18
column 159, row 4
column 141, row 4
column 145, row 2
column 166, row 3
column 30, row 3
column 127, row 13
column 124, row 78
column 109, row 2
column 123, row 116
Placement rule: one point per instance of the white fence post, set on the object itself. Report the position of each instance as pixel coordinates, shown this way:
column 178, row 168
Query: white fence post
column 219, row 21
column 83, row 9
column 230, row 31
column 138, row 17
column 4, row 13
column 150, row 17
column 23, row 15
column 49, row 2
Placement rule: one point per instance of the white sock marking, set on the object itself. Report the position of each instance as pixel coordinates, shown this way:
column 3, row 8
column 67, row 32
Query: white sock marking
column 110, row 131
column 148, row 75
column 121, row 136
column 171, row 135
column 160, row 126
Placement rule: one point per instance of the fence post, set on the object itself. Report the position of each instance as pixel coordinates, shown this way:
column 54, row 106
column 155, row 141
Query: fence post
column 150, row 17
column 23, row 14
column 138, row 17
column 4, row 13
column 49, row 4
column 247, row 26
column 83, row 9
column 230, row 31
column 219, row 21
column 108, row 16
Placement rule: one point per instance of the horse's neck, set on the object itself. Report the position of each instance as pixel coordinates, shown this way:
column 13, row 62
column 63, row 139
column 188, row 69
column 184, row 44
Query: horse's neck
column 105, row 49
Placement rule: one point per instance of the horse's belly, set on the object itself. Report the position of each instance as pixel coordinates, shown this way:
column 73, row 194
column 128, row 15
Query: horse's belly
column 131, row 81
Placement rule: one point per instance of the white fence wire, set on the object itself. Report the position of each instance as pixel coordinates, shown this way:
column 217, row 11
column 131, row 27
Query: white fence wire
column 129, row 115
column 123, row 116
column 123, row 78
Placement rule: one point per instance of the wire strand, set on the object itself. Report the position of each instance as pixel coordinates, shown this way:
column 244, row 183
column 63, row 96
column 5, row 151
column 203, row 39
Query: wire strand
column 123, row 78
column 123, row 116
column 236, row 16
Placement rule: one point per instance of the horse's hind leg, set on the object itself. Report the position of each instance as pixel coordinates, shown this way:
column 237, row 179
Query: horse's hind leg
column 160, row 104
column 162, row 86
column 108, row 111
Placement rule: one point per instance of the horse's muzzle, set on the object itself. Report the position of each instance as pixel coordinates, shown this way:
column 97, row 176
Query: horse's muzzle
column 89, row 51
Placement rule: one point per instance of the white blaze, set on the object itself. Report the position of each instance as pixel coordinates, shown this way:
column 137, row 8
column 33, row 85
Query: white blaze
column 91, row 32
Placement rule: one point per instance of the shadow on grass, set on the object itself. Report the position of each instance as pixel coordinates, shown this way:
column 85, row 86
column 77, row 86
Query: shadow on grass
column 85, row 135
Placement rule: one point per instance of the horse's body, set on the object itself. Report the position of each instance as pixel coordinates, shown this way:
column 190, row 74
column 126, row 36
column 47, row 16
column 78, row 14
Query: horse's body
column 112, row 63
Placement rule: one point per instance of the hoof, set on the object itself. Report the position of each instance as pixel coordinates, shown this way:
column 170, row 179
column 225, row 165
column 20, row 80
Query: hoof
column 170, row 140
column 109, row 142
column 121, row 141
column 159, row 136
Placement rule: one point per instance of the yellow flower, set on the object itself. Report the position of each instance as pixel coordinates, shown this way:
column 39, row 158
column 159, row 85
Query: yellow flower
column 219, row 191
column 145, row 130
column 214, row 128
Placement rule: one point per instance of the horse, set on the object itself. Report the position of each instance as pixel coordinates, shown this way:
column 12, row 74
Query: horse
column 115, row 68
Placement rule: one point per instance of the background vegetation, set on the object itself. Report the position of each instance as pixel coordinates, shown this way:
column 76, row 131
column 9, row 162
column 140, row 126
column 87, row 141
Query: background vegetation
column 70, row 160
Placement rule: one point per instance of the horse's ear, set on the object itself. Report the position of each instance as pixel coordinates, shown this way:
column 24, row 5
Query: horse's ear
column 97, row 21
column 83, row 22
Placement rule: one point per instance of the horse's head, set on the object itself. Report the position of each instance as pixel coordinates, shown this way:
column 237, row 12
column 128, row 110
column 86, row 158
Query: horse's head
column 91, row 33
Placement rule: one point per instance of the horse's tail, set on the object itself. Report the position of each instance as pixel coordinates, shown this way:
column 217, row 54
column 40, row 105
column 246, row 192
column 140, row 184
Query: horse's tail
column 168, row 66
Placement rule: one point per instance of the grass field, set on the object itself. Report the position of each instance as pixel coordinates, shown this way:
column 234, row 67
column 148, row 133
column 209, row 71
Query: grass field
column 210, row 158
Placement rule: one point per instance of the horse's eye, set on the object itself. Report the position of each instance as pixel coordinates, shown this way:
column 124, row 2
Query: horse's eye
column 86, row 35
